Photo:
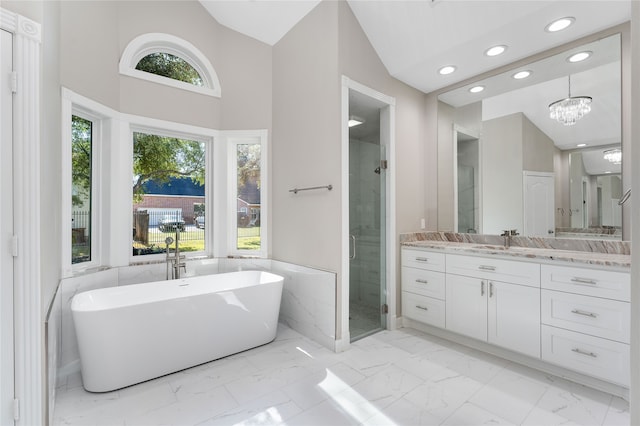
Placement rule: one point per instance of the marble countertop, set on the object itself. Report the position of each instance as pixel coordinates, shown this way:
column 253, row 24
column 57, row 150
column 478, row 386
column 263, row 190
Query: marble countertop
column 544, row 255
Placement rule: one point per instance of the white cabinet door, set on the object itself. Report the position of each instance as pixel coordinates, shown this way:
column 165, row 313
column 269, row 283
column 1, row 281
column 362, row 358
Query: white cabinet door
column 539, row 204
column 466, row 306
column 514, row 317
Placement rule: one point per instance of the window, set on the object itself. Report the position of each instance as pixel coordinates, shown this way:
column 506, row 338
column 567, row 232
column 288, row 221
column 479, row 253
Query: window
column 170, row 60
column 85, row 125
column 247, row 180
column 168, row 193
column 170, row 66
column 81, row 188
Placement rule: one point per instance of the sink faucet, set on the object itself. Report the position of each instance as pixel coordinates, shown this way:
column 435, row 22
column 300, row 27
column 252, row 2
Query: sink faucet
column 175, row 263
column 508, row 234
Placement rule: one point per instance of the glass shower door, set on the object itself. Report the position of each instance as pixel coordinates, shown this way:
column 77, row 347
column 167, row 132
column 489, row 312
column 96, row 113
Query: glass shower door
column 367, row 200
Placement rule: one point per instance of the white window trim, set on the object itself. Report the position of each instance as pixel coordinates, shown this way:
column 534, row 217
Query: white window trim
column 233, row 139
column 147, row 44
column 99, row 115
column 112, row 229
column 182, row 131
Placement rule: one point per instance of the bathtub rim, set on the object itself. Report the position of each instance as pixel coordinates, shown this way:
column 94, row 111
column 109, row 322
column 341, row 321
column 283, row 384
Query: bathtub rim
column 93, row 300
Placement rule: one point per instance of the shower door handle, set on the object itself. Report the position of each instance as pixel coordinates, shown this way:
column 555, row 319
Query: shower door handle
column 353, row 246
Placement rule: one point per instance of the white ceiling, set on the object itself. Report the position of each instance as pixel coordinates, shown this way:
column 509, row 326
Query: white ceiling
column 415, row 38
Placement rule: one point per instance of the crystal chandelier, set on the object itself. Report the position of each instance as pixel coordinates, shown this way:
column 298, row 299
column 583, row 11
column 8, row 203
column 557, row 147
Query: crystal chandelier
column 571, row 109
column 613, row 155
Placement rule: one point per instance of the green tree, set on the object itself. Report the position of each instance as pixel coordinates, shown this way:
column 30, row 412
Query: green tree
column 80, row 160
column 248, row 164
column 160, row 158
column 170, row 66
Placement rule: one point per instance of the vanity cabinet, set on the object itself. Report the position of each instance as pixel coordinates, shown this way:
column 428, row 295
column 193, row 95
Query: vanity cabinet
column 497, row 301
column 586, row 321
column 423, row 286
column 577, row 318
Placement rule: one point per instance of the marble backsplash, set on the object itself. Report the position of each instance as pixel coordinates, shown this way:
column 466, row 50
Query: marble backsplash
column 578, row 244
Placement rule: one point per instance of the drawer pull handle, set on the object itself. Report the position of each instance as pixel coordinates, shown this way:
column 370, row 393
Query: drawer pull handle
column 422, row 259
column 583, row 281
column 481, row 288
column 487, row 268
column 490, row 289
column 581, row 352
column 422, row 307
column 584, row 313
column 422, row 281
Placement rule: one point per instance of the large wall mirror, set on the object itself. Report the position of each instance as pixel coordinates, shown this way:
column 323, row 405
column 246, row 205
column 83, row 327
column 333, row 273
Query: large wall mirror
column 517, row 167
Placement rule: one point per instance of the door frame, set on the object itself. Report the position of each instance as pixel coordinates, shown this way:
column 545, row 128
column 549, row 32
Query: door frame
column 7, row 352
column 387, row 138
column 28, row 311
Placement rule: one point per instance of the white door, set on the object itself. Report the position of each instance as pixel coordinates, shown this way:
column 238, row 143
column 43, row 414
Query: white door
column 6, row 231
column 514, row 317
column 466, row 306
column 539, row 204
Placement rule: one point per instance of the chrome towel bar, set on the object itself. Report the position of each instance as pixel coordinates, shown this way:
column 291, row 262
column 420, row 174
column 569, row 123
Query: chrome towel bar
column 296, row 190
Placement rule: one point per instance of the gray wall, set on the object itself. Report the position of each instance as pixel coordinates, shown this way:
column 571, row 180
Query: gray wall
column 537, row 148
column 502, row 174
column 307, row 67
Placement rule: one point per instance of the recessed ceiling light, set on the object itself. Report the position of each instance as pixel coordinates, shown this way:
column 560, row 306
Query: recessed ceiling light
column 476, row 89
column 580, row 145
column 521, row 74
column 580, row 56
column 448, row 69
column 495, row 50
column 560, row 24
column 607, row 172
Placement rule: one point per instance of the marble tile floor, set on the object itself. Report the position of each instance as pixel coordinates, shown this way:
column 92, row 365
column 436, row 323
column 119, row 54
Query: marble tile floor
column 400, row 377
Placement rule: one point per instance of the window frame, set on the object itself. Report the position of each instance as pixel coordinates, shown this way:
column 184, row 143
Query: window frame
column 147, row 44
column 112, row 203
column 233, row 139
column 181, row 131
column 73, row 104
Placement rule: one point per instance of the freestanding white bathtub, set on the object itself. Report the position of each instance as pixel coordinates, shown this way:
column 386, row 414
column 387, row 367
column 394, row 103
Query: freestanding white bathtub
column 130, row 334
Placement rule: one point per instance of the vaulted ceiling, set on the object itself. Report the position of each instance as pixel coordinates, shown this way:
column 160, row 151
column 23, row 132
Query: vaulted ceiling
column 415, row 38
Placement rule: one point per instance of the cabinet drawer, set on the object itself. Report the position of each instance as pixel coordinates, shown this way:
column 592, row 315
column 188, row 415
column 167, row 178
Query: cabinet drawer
column 423, row 309
column 591, row 315
column 523, row 273
column 423, row 259
column 426, row 283
column 591, row 282
column 601, row 358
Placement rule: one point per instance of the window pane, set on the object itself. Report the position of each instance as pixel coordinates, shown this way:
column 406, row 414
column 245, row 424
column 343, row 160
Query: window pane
column 168, row 193
column 81, row 146
column 170, row 66
column 248, row 211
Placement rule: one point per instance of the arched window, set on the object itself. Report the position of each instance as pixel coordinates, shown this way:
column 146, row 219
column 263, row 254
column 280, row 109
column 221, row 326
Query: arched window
column 170, row 60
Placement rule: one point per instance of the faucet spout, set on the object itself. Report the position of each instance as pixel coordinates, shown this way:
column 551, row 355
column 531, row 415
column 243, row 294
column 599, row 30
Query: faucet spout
column 508, row 234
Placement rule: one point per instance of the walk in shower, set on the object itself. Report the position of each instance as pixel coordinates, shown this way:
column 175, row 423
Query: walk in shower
column 367, row 170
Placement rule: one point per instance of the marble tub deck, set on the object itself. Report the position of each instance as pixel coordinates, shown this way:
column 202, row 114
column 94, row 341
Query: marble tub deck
column 401, row 377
